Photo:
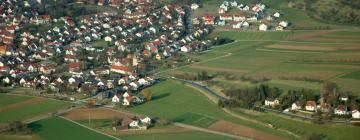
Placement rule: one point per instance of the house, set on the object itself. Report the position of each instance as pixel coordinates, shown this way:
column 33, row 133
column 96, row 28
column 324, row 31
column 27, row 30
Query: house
column 283, row 24
column 47, row 69
column 325, row 107
column 221, row 22
column 226, row 17
column 75, row 67
column 234, row 4
column 263, row 27
column 296, row 106
column 115, row 99
column 355, row 114
column 310, row 106
column 239, row 17
column 185, row 49
column 221, row 11
column 344, row 98
column 341, row 110
column 127, row 100
column 271, row 102
column 121, row 69
column 277, row 15
column 194, row 6
column 4, row 68
column 209, row 20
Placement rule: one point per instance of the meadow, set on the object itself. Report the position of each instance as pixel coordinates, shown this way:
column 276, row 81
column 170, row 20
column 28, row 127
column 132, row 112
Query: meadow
column 60, row 129
column 7, row 100
column 180, row 103
column 301, row 54
column 20, row 109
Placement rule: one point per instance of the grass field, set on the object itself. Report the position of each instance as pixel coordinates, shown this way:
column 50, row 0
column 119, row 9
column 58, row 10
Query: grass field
column 181, row 103
column 192, row 135
column 7, row 100
column 305, row 128
column 61, row 129
column 307, row 56
column 30, row 111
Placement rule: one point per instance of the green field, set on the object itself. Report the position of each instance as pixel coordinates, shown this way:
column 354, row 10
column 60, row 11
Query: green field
column 305, row 128
column 8, row 99
column 253, row 55
column 189, row 135
column 61, row 129
column 353, row 75
column 31, row 110
column 181, row 103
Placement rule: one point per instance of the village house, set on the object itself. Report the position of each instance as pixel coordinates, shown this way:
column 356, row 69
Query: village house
column 209, row 20
column 341, row 110
column 272, row 102
column 296, row 106
column 121, row 69
column 310, row 106
column 325, row 107
column 115, row 99
column 355, row 114
column 263, row 27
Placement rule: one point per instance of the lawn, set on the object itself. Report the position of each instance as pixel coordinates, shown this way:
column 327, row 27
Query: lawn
column 178, row 102
column 305, row 128
column 31, row 110
column 189, row 135
column 10, row 99
column 60, row 129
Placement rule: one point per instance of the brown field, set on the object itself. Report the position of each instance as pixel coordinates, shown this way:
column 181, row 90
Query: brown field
column 228, row 127
column 355, row 47
column 22, row 104
column 336, row 40
column 303, row 48
column 309, row 35
column 95, row 113
column 323, row 75
column 218, row 69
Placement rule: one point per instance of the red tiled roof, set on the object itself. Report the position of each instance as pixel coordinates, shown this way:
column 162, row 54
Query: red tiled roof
column 115, row 67
column 311, row 103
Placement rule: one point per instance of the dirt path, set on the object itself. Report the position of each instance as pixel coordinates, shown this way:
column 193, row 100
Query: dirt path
column 22, row 104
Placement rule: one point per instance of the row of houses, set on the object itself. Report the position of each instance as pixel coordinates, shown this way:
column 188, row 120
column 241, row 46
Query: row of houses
column 255, row 15
column 312, row 106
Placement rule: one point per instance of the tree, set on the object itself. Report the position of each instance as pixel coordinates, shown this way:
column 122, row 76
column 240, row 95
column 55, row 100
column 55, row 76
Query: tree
column 329, row 91
column 18, row 127
column 117, row 122
column 147, row 94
